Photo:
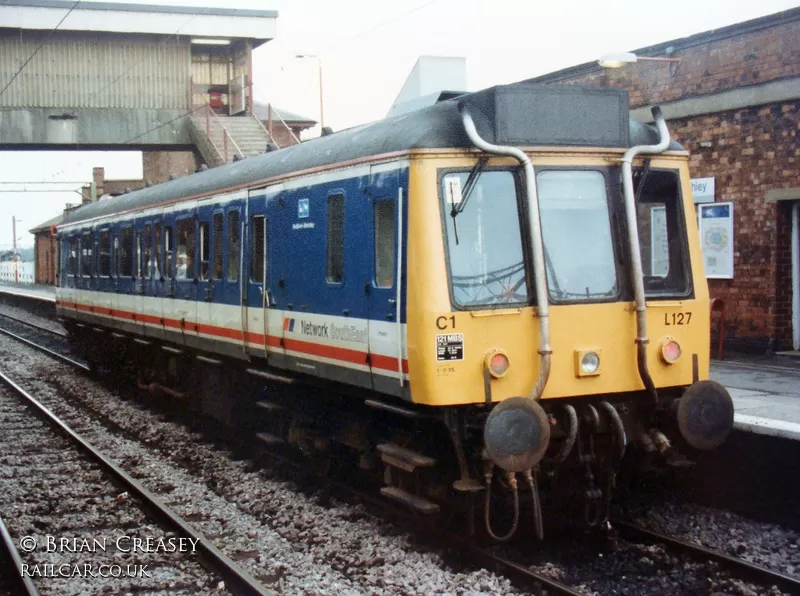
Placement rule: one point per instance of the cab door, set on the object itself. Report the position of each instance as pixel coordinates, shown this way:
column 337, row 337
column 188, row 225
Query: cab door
column 385, row 314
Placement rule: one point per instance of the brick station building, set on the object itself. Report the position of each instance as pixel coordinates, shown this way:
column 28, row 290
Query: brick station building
column 733, row 100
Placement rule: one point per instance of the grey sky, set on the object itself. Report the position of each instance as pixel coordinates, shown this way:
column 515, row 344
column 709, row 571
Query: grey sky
column 368, row 47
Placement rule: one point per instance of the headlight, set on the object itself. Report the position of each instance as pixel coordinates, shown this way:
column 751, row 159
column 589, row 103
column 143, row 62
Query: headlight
column 590, row 362
column 497, row 363
column 587, row 362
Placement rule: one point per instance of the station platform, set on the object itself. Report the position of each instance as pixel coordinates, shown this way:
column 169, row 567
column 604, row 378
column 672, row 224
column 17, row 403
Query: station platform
column 765, row 392
column 32, row 291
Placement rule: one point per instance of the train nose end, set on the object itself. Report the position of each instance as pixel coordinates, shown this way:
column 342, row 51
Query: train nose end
column 516, row 434
column 705, row 415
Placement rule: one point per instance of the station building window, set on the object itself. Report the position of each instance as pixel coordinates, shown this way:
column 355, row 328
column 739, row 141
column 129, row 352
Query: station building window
column 334, row 269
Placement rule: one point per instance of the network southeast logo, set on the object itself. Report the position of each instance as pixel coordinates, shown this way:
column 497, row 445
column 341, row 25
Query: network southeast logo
column 328, row 330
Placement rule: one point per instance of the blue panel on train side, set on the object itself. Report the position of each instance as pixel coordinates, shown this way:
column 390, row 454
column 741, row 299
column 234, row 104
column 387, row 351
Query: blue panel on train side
column 313, row 280
column 300, row 276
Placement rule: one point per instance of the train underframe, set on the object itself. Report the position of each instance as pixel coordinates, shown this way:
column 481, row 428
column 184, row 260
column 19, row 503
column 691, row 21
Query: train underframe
column 431, row 460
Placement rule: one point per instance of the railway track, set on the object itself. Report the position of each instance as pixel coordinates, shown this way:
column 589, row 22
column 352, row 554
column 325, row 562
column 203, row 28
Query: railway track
column 519, row 571
column 34, row 325
column 78, row 516
column 740, row 567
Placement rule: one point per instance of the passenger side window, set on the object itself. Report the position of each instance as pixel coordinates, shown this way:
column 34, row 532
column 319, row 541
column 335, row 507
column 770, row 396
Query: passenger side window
column 105, row 253
column 139, row 255
column 158, row 262
column 257, row 249
column 122, row 252
column 147, row 263
column 184, row 260
column 384, row 243
column 204, row 246
column 87, row 249
column 72, row 256
column 334, row 270
column 217, row 257
column 169, row 247
column 233, row 245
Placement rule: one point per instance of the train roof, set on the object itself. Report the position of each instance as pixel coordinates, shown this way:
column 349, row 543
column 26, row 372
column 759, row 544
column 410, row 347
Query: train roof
column 521, row 114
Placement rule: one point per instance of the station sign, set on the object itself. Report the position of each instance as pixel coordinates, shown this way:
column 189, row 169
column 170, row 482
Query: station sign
column 703, row 190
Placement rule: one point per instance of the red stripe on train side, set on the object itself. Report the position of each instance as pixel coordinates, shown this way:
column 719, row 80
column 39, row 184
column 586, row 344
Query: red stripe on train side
column 388, row 363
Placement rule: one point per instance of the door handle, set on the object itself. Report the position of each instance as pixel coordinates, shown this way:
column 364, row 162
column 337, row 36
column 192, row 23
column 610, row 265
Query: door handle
column 392, row 301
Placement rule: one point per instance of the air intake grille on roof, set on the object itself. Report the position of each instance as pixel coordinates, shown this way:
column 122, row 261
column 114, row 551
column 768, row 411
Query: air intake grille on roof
column 549, row 115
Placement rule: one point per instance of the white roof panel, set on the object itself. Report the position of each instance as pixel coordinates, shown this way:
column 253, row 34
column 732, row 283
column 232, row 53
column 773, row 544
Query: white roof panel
column 257, row 25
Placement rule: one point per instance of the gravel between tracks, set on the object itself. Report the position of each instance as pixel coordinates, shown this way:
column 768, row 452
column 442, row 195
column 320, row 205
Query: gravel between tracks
column 768, row 545
column 285, row 539
column 50, row 492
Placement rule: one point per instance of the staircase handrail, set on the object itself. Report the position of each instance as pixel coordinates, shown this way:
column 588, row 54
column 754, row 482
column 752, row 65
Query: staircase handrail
column 223, row 155
column 266, row 130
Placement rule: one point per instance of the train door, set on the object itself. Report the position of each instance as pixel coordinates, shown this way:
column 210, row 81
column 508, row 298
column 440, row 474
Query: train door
column 170, row 285
column 140, row 230
column 158, row 278
column 124, row 269
column 104, row 282
column 186, row 269
column 256, row 309
column 383, row 240
column 84, row 268
column 231, row 285
column 205, row 273
column 151, row 300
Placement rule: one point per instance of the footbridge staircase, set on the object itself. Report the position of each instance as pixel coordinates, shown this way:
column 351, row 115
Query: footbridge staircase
column 223, row 139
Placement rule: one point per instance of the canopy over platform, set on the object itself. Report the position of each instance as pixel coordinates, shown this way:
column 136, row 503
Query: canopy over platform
column 221, row 24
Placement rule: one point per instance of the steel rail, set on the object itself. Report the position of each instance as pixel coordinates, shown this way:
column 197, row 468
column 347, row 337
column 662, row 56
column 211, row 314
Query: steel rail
column 482, row 556
column 237, row 580
column 23, row 581
column 34, row 325
column 754, row 571
column 48, row 351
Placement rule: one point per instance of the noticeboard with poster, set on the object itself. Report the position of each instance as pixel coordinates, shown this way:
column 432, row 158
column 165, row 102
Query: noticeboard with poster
column 716, row 239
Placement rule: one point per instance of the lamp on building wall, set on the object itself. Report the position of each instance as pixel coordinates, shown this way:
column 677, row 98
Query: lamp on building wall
column 203, row 41
column 621, row 59
column 319, row 65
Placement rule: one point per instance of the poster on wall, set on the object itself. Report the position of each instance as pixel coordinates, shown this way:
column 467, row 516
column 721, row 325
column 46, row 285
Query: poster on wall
column 716, row 239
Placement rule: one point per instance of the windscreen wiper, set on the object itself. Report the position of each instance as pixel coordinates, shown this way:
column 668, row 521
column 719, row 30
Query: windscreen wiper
column 469, row 186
